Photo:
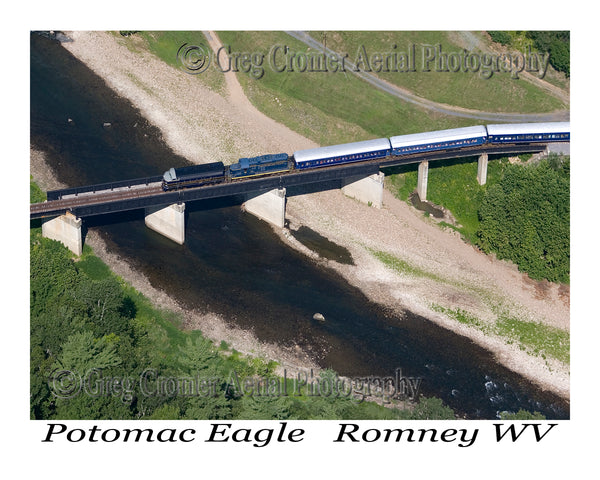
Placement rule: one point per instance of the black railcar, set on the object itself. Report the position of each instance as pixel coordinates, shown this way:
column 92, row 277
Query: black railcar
column 193, row 176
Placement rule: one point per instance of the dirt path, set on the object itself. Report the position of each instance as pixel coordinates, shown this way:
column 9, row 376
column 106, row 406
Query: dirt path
column 204, row 126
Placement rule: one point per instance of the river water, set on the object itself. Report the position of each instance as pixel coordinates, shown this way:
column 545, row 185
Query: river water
column 234, row 265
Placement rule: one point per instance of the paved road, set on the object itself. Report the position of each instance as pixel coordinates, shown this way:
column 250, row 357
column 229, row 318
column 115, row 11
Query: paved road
column 433, row 106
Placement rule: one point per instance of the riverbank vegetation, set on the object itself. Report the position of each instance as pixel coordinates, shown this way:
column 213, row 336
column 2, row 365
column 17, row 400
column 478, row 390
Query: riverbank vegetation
column 451, row 184
column 521, row 214
column 534, row 338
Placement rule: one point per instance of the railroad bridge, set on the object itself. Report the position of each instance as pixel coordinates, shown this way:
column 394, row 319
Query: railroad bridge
column 264, row 197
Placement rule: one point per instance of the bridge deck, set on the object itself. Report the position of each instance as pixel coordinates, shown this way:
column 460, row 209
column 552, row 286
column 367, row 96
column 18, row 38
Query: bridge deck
column 86, row 201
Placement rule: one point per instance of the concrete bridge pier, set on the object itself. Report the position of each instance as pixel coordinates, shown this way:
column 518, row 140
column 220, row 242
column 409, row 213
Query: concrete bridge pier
column 482, row 164
column 67, row 230
column 269, row 206
column 368, row 190
column 168, row 221
column 423, row 173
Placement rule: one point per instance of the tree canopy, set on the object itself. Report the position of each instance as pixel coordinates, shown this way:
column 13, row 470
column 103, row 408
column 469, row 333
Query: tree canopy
column 525, row 218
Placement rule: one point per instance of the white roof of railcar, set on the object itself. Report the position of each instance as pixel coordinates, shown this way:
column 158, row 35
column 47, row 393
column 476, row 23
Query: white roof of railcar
column 438, row 136
column 339, row 150
column 170, row 175
column 513, row 128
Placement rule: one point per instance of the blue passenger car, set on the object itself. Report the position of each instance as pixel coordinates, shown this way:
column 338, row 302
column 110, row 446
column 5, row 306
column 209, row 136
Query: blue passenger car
column 530, row 132
column 345, row 153
column 438, row 140
column 262, row 165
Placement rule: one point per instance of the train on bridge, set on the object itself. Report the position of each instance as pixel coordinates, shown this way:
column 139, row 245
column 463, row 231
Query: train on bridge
column 398, row 146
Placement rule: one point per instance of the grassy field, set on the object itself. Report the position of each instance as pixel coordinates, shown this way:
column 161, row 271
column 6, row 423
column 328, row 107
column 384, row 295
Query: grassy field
column 499, row 93
column 335, row 107
column 327, row 107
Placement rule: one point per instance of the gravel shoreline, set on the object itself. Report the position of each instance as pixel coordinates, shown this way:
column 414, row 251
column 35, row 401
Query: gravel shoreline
column 205, row 126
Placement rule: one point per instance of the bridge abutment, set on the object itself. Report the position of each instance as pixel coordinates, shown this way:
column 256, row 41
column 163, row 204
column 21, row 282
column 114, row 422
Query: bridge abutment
column 269, row 206
column 423, row 173
column 168, row 221
column 368, row 190
column 482, row 164
column 67, row 230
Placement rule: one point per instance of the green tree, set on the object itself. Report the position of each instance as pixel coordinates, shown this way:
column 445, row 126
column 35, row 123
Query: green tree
column 264, row 407
column 40, row 369
column 92, row 407
column 104, row 304
column 206, row 396
column 88, row 361
column 557, row 44
column 52, row 274
column 525, row 218
column 82, row 352
column 198, row 355
column 209, row 406
column 167, row 411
